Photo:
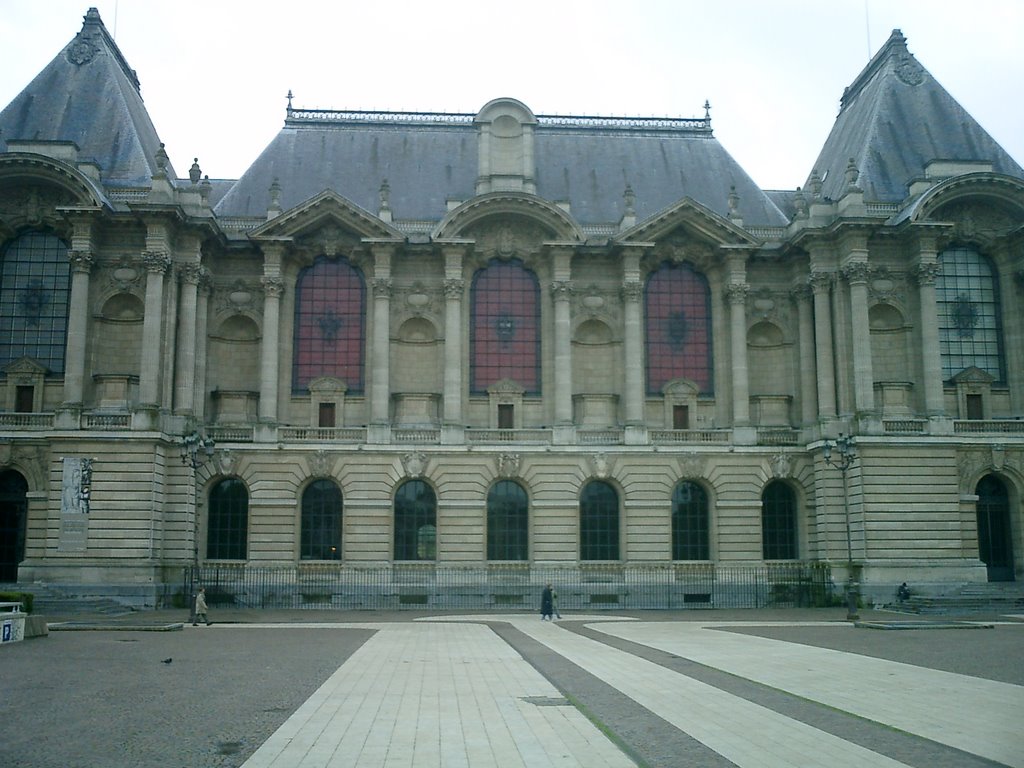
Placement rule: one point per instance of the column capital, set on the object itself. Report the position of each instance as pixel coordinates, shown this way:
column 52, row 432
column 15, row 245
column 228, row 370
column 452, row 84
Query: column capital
column 856, row 272
column 927, row 273
column 454, row 287
column 562, row 290
column 382, row 287
column 191, row 273
column 156, row 262
column 821, row 282
column 81, row 260
column 801, row 292
column 736, row 293
column 273, row 286
column 632, row 290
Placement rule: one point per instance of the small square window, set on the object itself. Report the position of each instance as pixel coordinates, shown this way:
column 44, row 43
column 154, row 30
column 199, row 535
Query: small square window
column 326, row 416
column 24, row 399
column 506, row 416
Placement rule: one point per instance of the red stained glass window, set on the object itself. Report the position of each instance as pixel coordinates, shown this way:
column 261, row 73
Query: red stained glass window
column 329, row 320
column 678, row 307
column 504, row 335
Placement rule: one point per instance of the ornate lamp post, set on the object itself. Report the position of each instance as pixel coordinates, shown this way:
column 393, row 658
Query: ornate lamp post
column 196, row 450
column 846, row 456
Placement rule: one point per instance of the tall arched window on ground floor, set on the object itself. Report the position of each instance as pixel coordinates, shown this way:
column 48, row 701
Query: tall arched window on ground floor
column 13, row 514
column 415, row 521
column 778, row 522
column 599, row 522
column 690, row 524
column 508, row 513
column 320, row 538
column 995, row 536
column 227, row 532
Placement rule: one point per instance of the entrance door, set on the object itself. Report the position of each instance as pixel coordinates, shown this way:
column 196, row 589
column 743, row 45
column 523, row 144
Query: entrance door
column 995, row 541
column 13, row 511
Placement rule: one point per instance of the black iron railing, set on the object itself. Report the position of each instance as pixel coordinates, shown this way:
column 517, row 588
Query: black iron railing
column 510, row 587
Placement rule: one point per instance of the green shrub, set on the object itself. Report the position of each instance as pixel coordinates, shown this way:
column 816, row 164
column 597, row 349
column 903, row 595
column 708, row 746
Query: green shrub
column 25, row 598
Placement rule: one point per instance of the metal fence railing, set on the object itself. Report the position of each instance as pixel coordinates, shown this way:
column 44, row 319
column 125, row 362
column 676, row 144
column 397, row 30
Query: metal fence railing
column 510, row 587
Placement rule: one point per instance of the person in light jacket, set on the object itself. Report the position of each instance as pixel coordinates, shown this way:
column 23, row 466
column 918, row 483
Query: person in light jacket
column 201, row 609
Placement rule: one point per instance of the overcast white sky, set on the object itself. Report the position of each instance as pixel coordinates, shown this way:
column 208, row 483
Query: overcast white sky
column 215, row 73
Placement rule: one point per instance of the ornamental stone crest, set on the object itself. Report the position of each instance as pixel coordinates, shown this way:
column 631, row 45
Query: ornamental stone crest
column 781, row 465
column 909, row 71
column 320, row 463
column 415, row 464
column 508, row 465
column 82, row 52
column 691, row 466
column 600, row 466
column 227, row 461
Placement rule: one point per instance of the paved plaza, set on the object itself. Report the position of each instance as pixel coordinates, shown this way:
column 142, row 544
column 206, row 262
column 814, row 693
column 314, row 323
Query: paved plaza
column 756, row 689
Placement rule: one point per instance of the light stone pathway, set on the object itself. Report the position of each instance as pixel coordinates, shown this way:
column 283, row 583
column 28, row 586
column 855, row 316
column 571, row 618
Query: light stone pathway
column 982, row 717
column 430, row 694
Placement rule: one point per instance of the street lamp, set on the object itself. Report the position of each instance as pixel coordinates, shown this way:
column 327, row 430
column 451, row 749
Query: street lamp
column 846, row 455
column 196, row 450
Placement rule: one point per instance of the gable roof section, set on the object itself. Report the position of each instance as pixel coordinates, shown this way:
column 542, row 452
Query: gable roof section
column 895, row 119
column 90, row 96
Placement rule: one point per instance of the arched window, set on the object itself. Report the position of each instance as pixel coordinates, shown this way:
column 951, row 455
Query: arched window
column 995, row 536
column 970, row 318
column 690, row 522
column 34, row 295
column 504, row 331
column 13, row 514
column 508, row 514
column 329, row 320
column 415, row 522
column 321, row 522
column 677, row 302
column 778, row 522
column 599, row 522
column 227, row 532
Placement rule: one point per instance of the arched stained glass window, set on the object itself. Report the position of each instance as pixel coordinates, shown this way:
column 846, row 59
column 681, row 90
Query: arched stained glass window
column 599, row 522
column 227, row 532
column 321, row 522
column 504, row 332
column 778, row 522
column 415, row 521
column 35, row 286
column 970, row 318
column 330, row 309
column 690, row 540
column 508, row 514
column 677, row 302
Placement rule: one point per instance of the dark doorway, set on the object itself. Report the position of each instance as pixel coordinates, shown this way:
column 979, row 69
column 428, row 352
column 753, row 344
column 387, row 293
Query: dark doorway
column 13, row 513
column 995, row 540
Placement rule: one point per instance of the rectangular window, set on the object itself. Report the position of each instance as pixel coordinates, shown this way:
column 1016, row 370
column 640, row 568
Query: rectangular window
column 326, row 415
column 680, row 417
column 24, row 399
column 506, row 416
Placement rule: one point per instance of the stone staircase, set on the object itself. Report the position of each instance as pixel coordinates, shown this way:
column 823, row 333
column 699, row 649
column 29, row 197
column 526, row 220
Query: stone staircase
column 52, row 601
column 994, row 597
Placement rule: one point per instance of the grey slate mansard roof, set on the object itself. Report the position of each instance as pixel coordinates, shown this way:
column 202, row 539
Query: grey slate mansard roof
column 90, row 96
column 895, row 119
column 430, row 159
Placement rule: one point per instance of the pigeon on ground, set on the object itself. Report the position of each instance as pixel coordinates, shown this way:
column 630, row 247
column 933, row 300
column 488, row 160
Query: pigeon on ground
column 166, row 661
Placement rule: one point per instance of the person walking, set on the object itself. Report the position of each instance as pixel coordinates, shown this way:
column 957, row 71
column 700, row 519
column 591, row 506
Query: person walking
column 201, row 609
column 554, row 602
column 547, row 603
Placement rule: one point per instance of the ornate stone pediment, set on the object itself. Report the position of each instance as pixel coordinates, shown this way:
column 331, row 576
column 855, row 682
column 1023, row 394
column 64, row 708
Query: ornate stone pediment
column 973, row 375
column 24, row 368
column 328, row 219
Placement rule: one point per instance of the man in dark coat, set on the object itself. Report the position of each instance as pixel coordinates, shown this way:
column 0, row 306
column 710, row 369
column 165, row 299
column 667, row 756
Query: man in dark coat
column 547, row 603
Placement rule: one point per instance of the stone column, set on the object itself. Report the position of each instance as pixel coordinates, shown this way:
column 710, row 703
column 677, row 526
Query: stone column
column 270, row 362
column 821, row 284
column 78, row 328
column 199, row 398
column 808, row 370
column 185, row 364
column 633, row 339
column 926, row 272
column 736, row 295
column 454, row 288
column 380, row 352
column 856, row 275
column 157, row 263
column 561, row 292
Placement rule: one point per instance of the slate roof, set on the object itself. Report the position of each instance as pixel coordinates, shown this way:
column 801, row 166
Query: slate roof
column 90, row 96
column 894, row 119
column 430, row 159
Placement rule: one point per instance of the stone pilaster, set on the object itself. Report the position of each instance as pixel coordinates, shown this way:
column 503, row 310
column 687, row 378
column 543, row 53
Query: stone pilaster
column 736, row 296
column 821, row 285
column 157, row 263
column 856, row 275
column 926, row 272
column 807, row 363
column 78, row 326
column 185, row 366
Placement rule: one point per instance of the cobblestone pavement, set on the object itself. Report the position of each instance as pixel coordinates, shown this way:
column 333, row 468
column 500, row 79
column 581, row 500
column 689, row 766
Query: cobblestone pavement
column 661, row 690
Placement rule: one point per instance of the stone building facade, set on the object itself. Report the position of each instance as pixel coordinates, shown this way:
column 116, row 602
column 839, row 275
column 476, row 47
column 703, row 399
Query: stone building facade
column 506, row 338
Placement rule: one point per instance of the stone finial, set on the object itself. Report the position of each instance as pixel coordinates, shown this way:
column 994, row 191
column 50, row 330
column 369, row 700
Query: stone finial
column 289, row 102
column 800, row 203
column 384, row 213
column 275, row 199
column 815, row 183
column 707, row 112
column 629, row 197
column 734, row 202
column 161, row 162
column 195, row 173
column 204, row 190
column 852, row 175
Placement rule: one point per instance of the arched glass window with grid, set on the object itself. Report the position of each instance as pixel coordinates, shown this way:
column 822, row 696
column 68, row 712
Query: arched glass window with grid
column 677, row 305
column 35, row 286
column 227, row 531
column 508, row 513
column 970, row 317
column 599, row 522
column 504, row 330
column 321, row 521
column 690, row 537
column 778, row 522
column 330, row 308
column 415, row 521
